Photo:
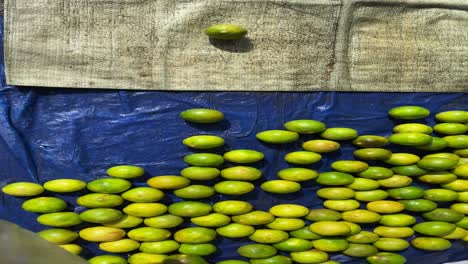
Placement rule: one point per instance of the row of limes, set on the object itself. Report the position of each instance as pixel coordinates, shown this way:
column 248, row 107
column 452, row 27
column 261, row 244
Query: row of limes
column 285, row 227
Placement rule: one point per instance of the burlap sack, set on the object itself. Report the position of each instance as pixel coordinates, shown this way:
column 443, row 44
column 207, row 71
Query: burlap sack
column 292, row 45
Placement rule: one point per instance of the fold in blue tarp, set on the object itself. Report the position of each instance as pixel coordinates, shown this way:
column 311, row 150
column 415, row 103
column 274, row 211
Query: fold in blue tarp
column 66, row 133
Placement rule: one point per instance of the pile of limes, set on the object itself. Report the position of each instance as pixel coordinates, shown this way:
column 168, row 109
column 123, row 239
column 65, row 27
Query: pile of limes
column 369, row 204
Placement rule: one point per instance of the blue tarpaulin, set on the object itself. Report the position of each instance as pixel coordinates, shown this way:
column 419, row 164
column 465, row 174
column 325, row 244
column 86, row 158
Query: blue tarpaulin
column 56, row 133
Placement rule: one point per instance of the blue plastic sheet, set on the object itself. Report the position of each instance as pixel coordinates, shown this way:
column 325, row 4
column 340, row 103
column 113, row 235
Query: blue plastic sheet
column 63, row 133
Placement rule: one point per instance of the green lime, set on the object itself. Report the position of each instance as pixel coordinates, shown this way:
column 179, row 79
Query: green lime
column 204, row 160
column 254, row 218
column 168, row 182
column 277, row 136
column 322, row 214
column 312, row 256
column 289, row 210
column 410, row 139
column 456, row 185
column 438, row 177
column 159, row 247
column 443, row 215
column 164, row 221
column 461, row 171
column 454, row 116
column 386, row 258
column 235, row 230
column 195, row 235
column 363, row 237
column 203, row 142
column 143, row 195
column 125, row 171
column 294, row 245
column 335, row 178
column 339, row 133
column 286, row 224
column 58, row 236
column 145, row 258
column 330, row 228
column 419, row 205
column 102, row 234
column 241, row 173
column 304, row 233
column 385, row 206
column 232, row 207
column 44, row 205
column 395, row 181
column 100, row 215
column 431, row 243
column 256, row 251
column 460, row 207
column 107, row 259
column 330, row 244
column 370, row 141
column 458, row 233
column 198, row 249
column 402, row 159
column 461, row 152
column 109, row 185
column 268, row 236
column 349, row 166
column 297, row 174
column 394, row 232
column 440, row 195
column 413, row 127
column 145, row 209
column 305, row 126
column 363, row 184
column 23, row 189
column 233, row 187
column 391, row 244
column 280, row 186
column 376, row 173
column 335, row 193
column 450, row 128
column 434, row 228
column 99, row 200
column 360, row 216
column 341, row 205
column 437, row 143
column 64, row 185
column 243, row 156
column 189, row 209
column 321, row 145
column 397, row 220
column 119, row 246
column 360, row 250
column 211, row 220
column 437, row 163
column 408, row 112
column 194, row 192
column 406, row 193
column 409, row 170
column 126, row 221
column 61, row 219
column 202, row 115
column 372, row 154
column 278, row 259
column 369, row 196
column 457, row 141
column 72, row 248
column 149, row 234
column 225, row 32
column 200, row 173
column 302, row 157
